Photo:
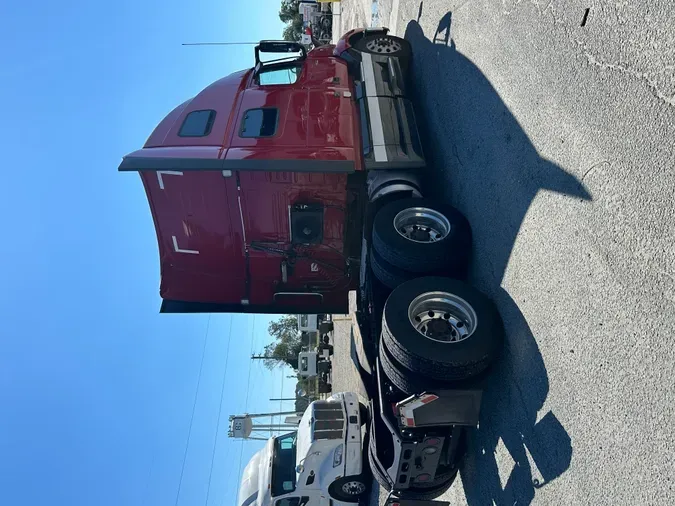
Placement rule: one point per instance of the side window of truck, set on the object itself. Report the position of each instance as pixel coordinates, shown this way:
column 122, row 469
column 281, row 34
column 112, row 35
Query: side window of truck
column 279, row 76
column 197, row 124
column 259, row 122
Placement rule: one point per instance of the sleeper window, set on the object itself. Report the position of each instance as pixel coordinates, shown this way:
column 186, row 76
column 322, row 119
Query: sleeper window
column 259, row 123
column 197, row 124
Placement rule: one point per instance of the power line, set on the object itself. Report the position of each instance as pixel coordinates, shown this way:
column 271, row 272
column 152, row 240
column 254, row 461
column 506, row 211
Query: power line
column 194, row 406
column 220, row 408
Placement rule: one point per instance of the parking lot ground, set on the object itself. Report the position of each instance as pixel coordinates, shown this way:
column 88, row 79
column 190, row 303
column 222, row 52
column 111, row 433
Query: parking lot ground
column 556, row 141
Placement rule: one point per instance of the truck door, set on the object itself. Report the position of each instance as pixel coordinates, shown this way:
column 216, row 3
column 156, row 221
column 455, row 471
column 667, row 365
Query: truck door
column 330, row 108
column 271, row 123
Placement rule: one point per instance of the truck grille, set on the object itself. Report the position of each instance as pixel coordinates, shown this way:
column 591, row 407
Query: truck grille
column 329, row 421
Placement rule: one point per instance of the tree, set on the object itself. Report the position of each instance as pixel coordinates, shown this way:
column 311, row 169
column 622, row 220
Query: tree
column 287, row 343
column 290, row 14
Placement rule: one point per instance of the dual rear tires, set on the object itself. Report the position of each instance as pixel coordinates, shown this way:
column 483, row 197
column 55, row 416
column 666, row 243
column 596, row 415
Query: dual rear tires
column 435, row 330
column 415, row 237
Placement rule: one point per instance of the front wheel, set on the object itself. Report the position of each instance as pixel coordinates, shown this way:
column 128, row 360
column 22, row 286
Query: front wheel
column 349, row 489
column 384, row 45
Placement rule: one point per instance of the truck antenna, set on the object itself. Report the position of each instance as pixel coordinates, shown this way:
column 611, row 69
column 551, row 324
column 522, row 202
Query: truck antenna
column 220, row 43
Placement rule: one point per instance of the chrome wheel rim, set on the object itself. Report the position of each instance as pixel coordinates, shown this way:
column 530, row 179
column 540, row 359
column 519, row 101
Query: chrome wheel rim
column 353, row 488
column 383, row 45
column 421, row 224
column 442, row 317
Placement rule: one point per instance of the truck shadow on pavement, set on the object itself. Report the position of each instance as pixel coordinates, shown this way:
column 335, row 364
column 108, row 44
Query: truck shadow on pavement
column 482, row 162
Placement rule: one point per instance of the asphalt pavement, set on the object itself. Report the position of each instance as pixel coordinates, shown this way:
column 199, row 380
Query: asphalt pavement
column 556, row 141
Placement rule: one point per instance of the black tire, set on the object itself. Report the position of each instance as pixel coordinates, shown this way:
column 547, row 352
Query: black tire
column 364, row 413
column 447, row 256
column 337, row 492
column 386, row 273
column 449, row 361
column 406, row 381
column 404, row 52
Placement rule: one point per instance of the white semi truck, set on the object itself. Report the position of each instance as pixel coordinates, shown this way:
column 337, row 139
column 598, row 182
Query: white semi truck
column 319, row 464
column 314, row 323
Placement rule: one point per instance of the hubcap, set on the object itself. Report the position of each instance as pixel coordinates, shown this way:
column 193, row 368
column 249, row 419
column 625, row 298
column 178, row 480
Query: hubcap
column 443, row 317
column 383, row 45
column 421, row 224
column 353, row 488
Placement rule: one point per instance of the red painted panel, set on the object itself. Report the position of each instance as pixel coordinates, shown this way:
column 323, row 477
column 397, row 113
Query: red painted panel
column 207, row 263
column 266, row 197
column 199, row 234
column 291, row 104
column 288, row 153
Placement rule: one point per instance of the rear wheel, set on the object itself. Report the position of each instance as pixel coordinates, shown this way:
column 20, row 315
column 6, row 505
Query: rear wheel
column 386, row 273
column 442, row 328
column 349, row 489
column 423, row 237
column 406, row 381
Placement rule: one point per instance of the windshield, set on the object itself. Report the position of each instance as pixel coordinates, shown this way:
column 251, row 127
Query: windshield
column 283, row 464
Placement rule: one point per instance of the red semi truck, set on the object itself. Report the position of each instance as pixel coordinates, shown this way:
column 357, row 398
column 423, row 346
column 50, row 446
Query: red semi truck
column 281, row 188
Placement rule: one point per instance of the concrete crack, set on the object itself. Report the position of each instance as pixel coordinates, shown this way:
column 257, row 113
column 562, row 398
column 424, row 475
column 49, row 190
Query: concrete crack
column 595, row 166
column 623, row 69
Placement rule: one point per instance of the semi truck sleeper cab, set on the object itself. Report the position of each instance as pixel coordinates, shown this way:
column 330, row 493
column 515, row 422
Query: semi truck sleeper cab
column 280, row 189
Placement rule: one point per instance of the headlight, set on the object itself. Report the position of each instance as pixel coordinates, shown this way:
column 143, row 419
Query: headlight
column 337, row 455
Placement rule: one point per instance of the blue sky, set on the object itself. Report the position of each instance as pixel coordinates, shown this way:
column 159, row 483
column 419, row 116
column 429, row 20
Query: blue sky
column 97, row 388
